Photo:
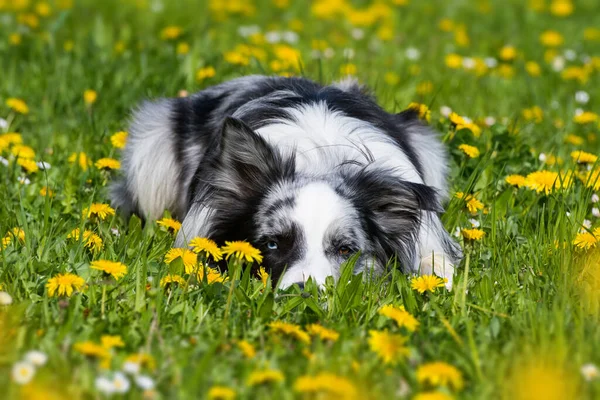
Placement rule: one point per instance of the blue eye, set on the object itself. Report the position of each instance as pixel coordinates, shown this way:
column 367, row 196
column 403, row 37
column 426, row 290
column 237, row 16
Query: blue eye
column 272, row 245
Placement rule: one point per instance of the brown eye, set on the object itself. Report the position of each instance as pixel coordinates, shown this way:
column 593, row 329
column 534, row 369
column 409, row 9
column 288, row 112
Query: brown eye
column 344, row 250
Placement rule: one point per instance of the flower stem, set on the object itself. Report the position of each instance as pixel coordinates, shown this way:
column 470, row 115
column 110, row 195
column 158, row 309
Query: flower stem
column 234, row 268
column 465, row 281
column 103, row 300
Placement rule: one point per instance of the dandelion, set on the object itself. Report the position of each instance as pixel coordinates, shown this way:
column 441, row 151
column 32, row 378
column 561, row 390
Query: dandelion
column 247, row 349
column 581, row 157
column 426, row 283
column 422, row 110
column 440, row 374
column 173, row 279
column 91, row 349
column 290, row 330
column 322, row 332
column 585, row 240
column 108, row 163
column 471, row 151
column 263, row 276
column 36, row 357
column 205, row 73
column 171, row 32
column 212, row 275
column 561, row 8
column 119, row 139
column 507, row 53
column 182, row 48
column 90, row 239
column 100, row 210
column 17, row 105
column 543, row 181
column 113, row 268
column 110, row 341
column 29, row 166
column 400, row 315
column 5, row 299
column 326, row 384
column 241, row 250
column 585, row 117
column 90, row 97
column 22, row 372
column 533, row 68
column 22, row 151
column 473, row 234
column 389, row 347
column 221, row 393
column 473, row 205
column 81, row 159
column 590, row 372
column 551, row 38
column 432, row 396
column 348, row 69
column 46, row 192
column 171, row 224
column 188, row 257
column 516, row 180
column 263, row 376
column 64, row 284
column 206, row 246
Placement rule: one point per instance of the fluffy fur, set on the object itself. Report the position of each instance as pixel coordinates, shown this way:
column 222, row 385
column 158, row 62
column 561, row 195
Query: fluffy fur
column 310, row 174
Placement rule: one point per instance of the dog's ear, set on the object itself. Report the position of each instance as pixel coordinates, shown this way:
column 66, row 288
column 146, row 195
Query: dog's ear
column 247, row 162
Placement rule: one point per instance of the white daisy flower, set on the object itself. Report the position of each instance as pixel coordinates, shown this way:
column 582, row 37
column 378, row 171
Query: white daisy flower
column 468, row 63
column 582, row 97
column 590, row 372
column 36, row 357
column 120, row 383
column 43, row 165
column 104, row 385
column 290, row 37
column 489, row 121
column 413, row 54
column 445, row 111
column 329, row 52
column 5, row 299
column 595, row 198
column 22, row 372
column 3, row 124
column 348, row 53
column 596, row 212
column 144, row 382
column 248, row 30
column 273, row 37
column 131, row 368
column 357, row 33
column 24, row 180
column 491, row 62
column 3, row 161
column 474, row 223
column 570, row 54
column 558, row 64
column 542, row 157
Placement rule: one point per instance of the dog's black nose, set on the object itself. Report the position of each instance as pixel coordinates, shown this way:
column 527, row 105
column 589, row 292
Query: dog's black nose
column 300, row 285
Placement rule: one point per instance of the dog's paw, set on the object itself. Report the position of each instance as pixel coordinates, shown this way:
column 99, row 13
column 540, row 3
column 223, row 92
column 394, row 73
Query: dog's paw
column 440, row 265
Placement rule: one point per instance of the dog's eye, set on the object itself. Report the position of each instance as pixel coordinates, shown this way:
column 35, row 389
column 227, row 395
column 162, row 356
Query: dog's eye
column 344, row 251
column 272, row 245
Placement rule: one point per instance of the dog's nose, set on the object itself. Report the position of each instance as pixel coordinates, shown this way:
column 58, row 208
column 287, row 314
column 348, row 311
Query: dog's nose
column 300, row 285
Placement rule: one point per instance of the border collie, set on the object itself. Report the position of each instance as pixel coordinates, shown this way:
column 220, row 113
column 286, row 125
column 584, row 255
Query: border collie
column 311, row 175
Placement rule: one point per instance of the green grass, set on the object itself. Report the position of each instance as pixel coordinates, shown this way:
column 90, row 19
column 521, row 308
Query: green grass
column 525, row 322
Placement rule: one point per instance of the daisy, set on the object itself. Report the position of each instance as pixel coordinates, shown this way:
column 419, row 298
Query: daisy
column 36, row 357
column 22, row 372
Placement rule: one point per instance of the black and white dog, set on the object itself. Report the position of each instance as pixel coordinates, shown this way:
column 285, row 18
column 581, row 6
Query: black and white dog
column 309, row 174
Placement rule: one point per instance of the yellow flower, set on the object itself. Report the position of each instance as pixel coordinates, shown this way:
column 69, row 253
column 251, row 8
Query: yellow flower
column 574, row 139
column 171, row 32
column 585, row 240
column 561, row 8
column 473, row 234
column 263, row 275
column 540, row 377
column 543, row 181
column 508, row 53
column 108, row 163
column 322, row 332
column 188, row 257
column 22, row 151
column 551, row 38
column 440, row 374
column 81, row 158
column 221, row 393
column 17, row 105
column 99, row 210
column 422, row 110
column 28, row 165
column 581, row 157
column 90, row 96
column 205, row 73
column 143, row 359
column 473, row 205
column 247, row 349
column 15, row 39
column 206, row 246
column 585, row 117
column 400, row 315
column 424, row 88
column 91, row 349
column 90, row 239
column 348, row 69
column 534, row 113
column 453, row 61
column 265, row 376
column 64, row 284
column 114, row 268
column 241, row 250
column 110, row 341
column 327, row 385
column 173, row 279
column 212, row 275
column 182, row 48
column 471, row 151
column 10, row 138
column 15, row 233
column 426, row 283
column 119, row 139
column 432, row 396
column 46, row 192
column 391, row 78
column 171, row 224
column 462, row 123
column 533, row 68
column 516, row 180
column 388, row 346
column 289, row 329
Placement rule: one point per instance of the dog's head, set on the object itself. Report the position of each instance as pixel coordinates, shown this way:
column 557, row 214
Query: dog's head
column 305, row 226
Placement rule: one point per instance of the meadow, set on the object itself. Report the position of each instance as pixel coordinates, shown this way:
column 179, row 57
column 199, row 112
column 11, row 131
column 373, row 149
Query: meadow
column 96, row 306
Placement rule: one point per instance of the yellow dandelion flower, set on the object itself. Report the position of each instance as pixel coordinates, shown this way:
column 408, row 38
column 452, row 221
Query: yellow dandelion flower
column 388, row 346
column 516, row 180
column 110, row 341
column 574, row 139
column 453, row 61
column 322, row 332
column 471, row 151
column 424, row 88
column 182, row 48
column 64, row 284
column 221, row 393
column 426, row 283
column 91, row 349
column 533, row 68
column 543, row 181
column 99, row 210
column 541, row 378
column 11, row 138
column 263, row 376
column 46, row 192
column 171, row 32
column 119, row 139
column 581, row 157
column 28, row 165
column 561, row 8
column 348, row 69
column 212, row 275
column 327, row 385
column 205, row 73
column 17, row 105
column 247, row 349
column 263, row 276
column 290, row 330
column 171, row 224
column 90, row 239
column 206, row 246
column 473, row 205
column 114, row 268
column 440, row 374
column 15, row 39
column 507, row 53
column 551, row 38
column 143, row 359
column 585, row 240
column 90, row 97
column 473, row 234
column 400, row 315
column 81, row 159
column 108, row 163
column 169, row 280
column 585, row 117
column 242, row 250
column 422, row 110
column 22, row 151
column 432, row 396
column 188, row 257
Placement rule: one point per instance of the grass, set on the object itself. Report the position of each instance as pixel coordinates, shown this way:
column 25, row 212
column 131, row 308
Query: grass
column 528, row 319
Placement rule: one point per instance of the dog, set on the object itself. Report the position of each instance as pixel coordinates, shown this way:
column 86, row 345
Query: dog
column 311, row 175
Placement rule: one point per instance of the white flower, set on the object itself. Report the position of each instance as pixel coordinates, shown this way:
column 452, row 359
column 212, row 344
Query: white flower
column 357, row 33
column 413, row 54
column 104, row 385
column 3, row 124
column 144, row 382
column 248, row 30
column 456, row 232
column 115, row 231
column 590, row 372
column 23, row 372
column 23, row 180
column 348, row 53
column 43, row 165
column 36, row 357
column 582, row 97
column 489, row 121
column 558, row 64
column 445, row 111
column 5, row 299
column 595, row 198
column 596, row 212
column 542, row 157
column 491, row 62
column 468, row 63
column 132, row 368
column 290, row 37
column 474, row 223
column 329, row 52
column 578, row 111
column 3, row 161
column 120, row 383
column 273, row 37
column 587, row 223
column 570, row 54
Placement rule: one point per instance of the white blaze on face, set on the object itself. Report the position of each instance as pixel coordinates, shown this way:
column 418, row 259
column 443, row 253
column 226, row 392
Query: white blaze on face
column 318, row 209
